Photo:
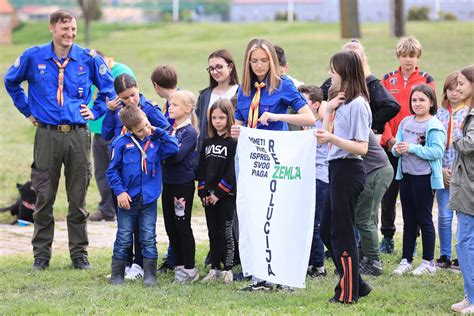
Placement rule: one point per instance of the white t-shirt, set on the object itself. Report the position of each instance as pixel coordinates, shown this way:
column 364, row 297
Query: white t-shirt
column 228, row 95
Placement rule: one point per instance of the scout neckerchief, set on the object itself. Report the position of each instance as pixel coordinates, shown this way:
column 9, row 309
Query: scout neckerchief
column 176, row 127
column 124, row 130
column 165, row 109
column 254, row 105
column 59, row 93
column 143, row 152
column 451, row 122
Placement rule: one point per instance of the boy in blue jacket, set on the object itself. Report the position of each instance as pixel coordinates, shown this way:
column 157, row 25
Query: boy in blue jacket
column 134, row 175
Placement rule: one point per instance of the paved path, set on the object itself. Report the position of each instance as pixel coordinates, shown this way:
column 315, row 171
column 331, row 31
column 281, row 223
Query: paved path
column 16, row 239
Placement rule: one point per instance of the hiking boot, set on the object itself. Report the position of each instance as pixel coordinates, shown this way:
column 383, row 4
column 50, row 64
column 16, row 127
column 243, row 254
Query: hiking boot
column 387, row 245
column 458, row 307
column 165, row 268
column 426, row 267
column 258, row 286
column 99, row 216
column 227, row 276
column 364, row 288
column 317, row 272
column 118, row 271
column 213, row 275
column 403, row 267
column 149, row 272
column 183, row 277
column 40, row 264
column 134, row 272
column 443, row 262
column 82, row 263
column 370, row 267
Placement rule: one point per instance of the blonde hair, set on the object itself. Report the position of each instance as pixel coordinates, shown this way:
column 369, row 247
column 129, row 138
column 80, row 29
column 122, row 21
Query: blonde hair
column 188, row 100
column 355, row 46
column 449, row 84
column 273, row 77
column 408, row 46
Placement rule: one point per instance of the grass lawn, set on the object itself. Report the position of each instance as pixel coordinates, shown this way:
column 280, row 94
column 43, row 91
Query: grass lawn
column 63, row 290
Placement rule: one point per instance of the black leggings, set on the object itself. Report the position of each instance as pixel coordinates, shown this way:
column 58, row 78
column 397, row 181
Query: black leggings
column 177, row 202
column 220, row 221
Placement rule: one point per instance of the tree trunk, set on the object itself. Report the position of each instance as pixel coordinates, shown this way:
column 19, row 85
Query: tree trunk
column 397, row 18
column 87, row 37
column 349, row 12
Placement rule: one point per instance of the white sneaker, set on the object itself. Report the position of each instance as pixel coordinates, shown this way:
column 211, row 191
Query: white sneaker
column 135, row 272
column 227, row 277
column 426, row 267
column 468, row 310
column 458, row 307
column 213, row 275
column 403, row 267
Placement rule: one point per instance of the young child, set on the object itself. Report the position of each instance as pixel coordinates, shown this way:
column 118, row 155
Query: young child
column 165, row 80
column 420, row 144
column 452, row 113
column 462, row 187
column 349, row 142
column 399, row 83
column 129, row 94
column 314, row 98
column 217, row 188
column 178, row 186
column 134, row 175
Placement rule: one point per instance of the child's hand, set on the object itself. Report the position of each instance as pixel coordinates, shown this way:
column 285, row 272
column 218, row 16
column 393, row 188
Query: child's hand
column 267, row 117
column 335, row 102
column 390, row 143
column 114, row 104
column 402, row 147
column 33, row 120
column 323, row 136
column 446, row 177
column 123, row 200
column 212, row 199
column 86, row 112
column 235, row 131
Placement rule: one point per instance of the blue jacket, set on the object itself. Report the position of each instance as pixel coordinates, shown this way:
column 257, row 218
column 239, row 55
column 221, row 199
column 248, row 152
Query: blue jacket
column 125, row 172
column 36, row 65
column 432, row 151
column 112, row 126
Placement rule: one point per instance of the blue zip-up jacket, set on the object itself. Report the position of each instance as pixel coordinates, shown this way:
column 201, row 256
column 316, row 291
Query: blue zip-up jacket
column 112, row 126
column 125, row 172
column 84, row 69
column 432, row 151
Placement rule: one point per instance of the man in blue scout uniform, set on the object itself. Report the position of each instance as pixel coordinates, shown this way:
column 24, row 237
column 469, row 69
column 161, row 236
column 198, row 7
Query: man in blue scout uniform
column 59, row 76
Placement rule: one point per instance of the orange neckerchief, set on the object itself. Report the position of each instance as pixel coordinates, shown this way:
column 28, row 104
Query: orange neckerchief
column 59, row 93
column 254, row 105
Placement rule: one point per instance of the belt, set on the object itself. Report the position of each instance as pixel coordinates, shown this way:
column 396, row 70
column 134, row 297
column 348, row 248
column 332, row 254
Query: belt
column 63, row 128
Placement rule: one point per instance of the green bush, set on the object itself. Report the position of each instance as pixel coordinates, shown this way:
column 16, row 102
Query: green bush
column 447, row 16
column 283, row 16
column 418, row 13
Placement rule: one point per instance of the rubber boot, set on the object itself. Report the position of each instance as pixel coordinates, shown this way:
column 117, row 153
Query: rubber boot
column 118, row 271
column 149, row 268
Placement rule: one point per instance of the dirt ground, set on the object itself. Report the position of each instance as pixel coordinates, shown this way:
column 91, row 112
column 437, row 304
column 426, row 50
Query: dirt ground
column 16, row 239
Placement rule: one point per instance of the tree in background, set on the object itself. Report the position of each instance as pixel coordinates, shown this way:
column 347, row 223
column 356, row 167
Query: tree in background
column 397, row 18
column 350, row 27
column 90, row 11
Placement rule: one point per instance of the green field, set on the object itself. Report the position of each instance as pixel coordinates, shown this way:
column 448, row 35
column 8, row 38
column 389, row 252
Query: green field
column 447, row 47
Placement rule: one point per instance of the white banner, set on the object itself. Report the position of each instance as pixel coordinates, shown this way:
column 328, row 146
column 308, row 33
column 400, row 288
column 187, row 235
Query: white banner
column 276, row 192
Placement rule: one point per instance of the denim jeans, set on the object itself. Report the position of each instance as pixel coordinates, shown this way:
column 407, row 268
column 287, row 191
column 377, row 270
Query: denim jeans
column 316, row 257
column 465, row 252
column 445, row 221
column 143, row 216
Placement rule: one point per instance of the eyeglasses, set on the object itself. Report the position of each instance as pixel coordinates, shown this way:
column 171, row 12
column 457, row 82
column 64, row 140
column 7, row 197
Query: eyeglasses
column 217, row 68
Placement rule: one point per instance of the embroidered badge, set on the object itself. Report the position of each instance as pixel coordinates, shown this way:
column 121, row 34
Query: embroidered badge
column 80, row 90
column 129, row 145
column 394, row 91
column 41, row 66
column 103, row 69
column 80, row 68
column 17, row 62
column 393, row 80
column 151, row 145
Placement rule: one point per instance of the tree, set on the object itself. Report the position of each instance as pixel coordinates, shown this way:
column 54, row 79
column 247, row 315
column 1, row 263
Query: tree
column 350, row 27
column 397, row 18
column 90, row 11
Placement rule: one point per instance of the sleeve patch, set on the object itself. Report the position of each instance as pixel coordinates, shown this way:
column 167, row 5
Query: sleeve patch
column 103, row 69
column 17, row 62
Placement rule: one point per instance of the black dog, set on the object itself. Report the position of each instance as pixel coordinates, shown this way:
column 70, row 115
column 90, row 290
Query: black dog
column 23, row 207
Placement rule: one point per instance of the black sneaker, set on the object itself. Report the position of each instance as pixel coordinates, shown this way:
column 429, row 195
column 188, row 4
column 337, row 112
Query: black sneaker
column 370, row 267
column 284, row 288
column 81, row 263
column 443, row 262
column 165, row 268
column 40, row 264
column 258, row 286
column 238, row 277
column 317, row 273
column 455, row 265
column 364, row 289
column 387, row 245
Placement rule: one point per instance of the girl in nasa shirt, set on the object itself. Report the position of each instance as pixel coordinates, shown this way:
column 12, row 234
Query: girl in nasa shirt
column 216, row 188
